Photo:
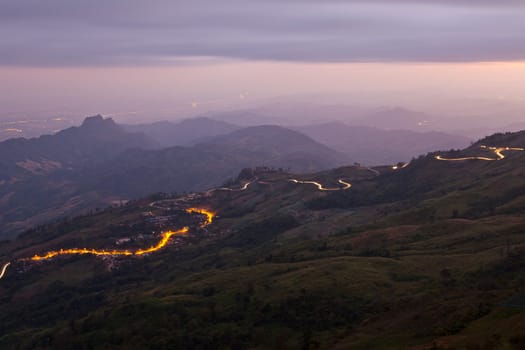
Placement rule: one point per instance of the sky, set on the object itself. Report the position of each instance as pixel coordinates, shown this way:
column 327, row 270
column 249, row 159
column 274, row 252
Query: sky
column 125, row 56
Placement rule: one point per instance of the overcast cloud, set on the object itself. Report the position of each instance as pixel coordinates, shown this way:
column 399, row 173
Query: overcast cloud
column 153, row 32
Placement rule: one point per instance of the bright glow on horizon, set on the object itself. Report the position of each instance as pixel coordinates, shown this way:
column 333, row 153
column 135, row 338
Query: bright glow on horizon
column 190, row 89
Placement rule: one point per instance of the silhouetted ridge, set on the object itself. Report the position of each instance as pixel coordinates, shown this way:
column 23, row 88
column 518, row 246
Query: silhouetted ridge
column 97, row 122
column 184, row 133
column 508, row 139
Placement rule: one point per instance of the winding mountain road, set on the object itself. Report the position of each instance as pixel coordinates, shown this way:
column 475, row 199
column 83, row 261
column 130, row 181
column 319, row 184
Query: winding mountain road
column 320, row 187
column 400, row 166
column 4, row 268
column 244, row 187
column 167, row 235
column 165, row 239
column 376, row 172
column 498, row 151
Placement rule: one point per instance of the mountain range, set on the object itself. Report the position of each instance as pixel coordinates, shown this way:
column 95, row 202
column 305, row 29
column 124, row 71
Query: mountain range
column 184, row 133
column 430, row 255
column 100, row 163
column 374, row 146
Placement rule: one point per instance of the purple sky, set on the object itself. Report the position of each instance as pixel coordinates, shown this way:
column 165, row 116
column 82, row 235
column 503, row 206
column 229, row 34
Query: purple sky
column 116, row 32
column 64, row 51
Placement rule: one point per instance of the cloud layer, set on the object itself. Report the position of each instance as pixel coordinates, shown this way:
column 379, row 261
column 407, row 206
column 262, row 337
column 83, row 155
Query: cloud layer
column 154, row 32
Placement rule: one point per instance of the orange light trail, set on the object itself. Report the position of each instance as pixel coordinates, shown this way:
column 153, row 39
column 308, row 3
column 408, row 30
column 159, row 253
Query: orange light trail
column 209, row 215
column 498, row 151
column 166, row 236
column 165, row 239
column 78, row 251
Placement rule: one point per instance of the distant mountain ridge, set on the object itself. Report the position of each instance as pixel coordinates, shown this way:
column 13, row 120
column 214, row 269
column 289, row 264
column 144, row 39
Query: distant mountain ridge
column 184, row 133
column 281, row 145
column 507, row 139
column 140, row 172
column 373, row 146
column 96, row 140
column 99, row 162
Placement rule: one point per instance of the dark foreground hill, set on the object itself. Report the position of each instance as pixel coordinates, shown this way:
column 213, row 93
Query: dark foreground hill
column 429, row 256
column 99, row 163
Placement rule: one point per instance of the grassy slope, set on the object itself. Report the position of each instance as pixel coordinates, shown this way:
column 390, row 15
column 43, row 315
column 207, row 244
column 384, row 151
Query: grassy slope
column 421, row 258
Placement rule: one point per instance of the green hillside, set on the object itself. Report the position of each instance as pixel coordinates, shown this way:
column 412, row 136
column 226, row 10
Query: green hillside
column 429, row 256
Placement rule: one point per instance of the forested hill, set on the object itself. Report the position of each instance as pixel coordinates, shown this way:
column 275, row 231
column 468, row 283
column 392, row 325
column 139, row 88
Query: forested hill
column 426, row 255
